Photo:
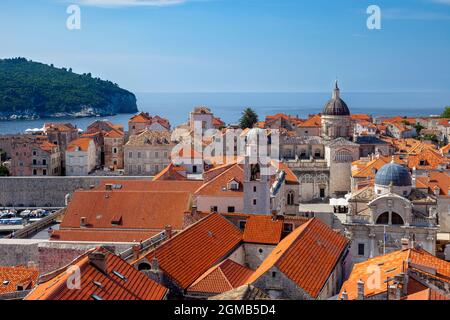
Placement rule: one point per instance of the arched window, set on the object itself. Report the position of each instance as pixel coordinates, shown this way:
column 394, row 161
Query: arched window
column 290, row 198
column 343, row 156
column 383, row 219
column 397, row 219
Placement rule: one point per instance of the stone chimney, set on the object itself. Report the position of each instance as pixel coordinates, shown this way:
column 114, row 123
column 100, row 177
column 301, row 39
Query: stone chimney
column 405, row 244
column 83, row 222
column 274, row 215
column 360, row 285
column 155, row 264
column 194, row 210
column 344, row 295
column 168, row 230
column 136, row 250
column 98, row 260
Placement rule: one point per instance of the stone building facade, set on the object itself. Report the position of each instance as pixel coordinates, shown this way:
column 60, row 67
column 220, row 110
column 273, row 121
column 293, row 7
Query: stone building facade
column 380, row 216
column 147, row 153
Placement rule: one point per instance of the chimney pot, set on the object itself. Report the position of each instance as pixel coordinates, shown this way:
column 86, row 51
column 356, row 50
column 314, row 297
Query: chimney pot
column 168, row 230
column 344, row 295
column 83, row 222
column 136, row 250
column 405, row 244
column 360, row 285
column 194, row 210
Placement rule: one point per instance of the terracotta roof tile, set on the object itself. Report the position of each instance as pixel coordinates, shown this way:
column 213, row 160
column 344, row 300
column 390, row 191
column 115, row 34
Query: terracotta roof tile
column 263, row 229
column 218, row 186
column 390, row 265
column 141, row 212
column 314, row 121
column 307, row 256
column 224, row 277
column 190, row 253
column 107, row 285
column 81, row 143
column 11, row 277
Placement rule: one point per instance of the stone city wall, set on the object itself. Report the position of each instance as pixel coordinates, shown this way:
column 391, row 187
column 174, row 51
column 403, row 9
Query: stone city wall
column 46, row 191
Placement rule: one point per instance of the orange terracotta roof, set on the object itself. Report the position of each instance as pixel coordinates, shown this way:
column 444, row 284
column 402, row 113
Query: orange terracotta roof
column 291, row 178
column 391, row 265
column 63, row 127
column 81, row 143
column 224, row 277
column 47, row 146
column 361, row 116
column 171, row 172
column 307, row 256
column 218, row 122
column 114, row 134
column 96, row 235
column 11, row 277
column 446, row 149
column 154, row 186
column 120, row 282
column 141, row 212
column 218, row 186
column 140, row 118
column 263, row 230
column 192, row 252
column 444, row 122
column 427, row 159
column 314, row 121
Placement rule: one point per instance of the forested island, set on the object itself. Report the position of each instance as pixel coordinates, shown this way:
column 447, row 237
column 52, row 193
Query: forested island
column 32, row 90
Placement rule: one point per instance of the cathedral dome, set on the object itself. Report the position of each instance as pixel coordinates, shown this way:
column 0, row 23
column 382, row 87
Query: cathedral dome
column 336, row 106
column 393, row 173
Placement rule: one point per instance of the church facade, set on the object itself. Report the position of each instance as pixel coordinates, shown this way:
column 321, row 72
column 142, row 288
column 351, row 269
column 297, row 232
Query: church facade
column 323, row 162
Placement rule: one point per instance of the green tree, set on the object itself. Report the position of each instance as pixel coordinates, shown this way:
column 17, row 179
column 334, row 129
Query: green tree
column 418, row 128
column 4, row 171
column 446, row 113
column 249, row 119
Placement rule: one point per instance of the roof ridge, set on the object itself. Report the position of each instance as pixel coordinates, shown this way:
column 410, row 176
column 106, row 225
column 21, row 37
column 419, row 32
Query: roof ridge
column 219, row 267
column 217, row 177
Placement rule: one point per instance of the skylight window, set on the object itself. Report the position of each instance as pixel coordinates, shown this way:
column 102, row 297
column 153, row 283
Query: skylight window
column 98, row 284
column 96, row 297
column 118, row 274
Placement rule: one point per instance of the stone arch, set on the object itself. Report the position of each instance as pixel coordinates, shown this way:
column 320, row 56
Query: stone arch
column 343, row 155
column 143, row 266
column 396, row 219
column 290, row 198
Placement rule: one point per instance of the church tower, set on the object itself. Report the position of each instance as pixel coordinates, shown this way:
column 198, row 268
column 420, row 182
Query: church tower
column 257, row 168
column 336, row 119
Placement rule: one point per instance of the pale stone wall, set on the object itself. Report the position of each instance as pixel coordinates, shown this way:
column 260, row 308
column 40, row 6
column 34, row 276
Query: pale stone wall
column 443, row 209
column 204, row 203
column 255, row 254
column 45, row 191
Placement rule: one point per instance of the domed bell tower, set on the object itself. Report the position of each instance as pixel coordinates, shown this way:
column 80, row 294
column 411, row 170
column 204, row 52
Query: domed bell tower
column 336, row 119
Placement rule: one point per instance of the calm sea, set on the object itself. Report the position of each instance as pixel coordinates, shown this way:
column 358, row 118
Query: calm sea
column 228, row 106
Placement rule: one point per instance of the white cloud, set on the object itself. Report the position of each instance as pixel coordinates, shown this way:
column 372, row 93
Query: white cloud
column 128, row 3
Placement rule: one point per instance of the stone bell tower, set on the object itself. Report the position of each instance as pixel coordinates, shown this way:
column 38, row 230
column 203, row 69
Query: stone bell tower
column 257, row 168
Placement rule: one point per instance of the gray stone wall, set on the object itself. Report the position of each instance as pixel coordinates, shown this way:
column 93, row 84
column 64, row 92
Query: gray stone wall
column 45, row 191
column 47, row 255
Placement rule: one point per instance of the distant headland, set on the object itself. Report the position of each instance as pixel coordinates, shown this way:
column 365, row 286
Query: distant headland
column 31, row 90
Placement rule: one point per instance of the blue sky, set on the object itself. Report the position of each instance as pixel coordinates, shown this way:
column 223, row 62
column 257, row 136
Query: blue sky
column 238, row 45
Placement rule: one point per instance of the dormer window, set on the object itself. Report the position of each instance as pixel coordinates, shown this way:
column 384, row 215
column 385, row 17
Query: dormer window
column 233, row 185
column 116, row 221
